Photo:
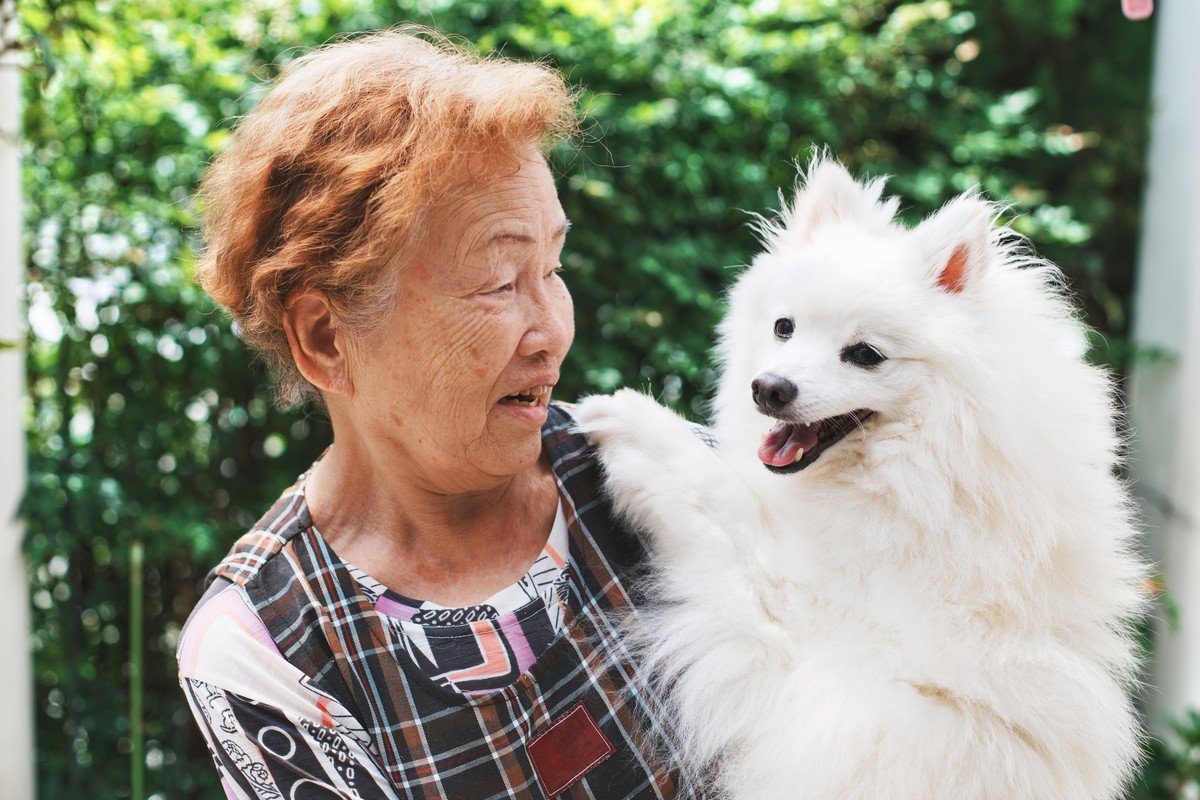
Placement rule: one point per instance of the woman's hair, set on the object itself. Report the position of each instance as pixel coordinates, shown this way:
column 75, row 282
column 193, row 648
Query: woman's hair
column 329, row 178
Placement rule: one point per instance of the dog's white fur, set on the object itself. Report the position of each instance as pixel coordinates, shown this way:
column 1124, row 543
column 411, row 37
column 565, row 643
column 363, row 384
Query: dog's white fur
column 939, row 607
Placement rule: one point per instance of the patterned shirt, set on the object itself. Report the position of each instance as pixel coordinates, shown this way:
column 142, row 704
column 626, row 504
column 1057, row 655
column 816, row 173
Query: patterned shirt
column 305, row 687
column 488, row 645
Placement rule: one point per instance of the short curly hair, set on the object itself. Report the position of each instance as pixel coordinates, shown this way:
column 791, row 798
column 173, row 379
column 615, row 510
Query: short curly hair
column 331, row 175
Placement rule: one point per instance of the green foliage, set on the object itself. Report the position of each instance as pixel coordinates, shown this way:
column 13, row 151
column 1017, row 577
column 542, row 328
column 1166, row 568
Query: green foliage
column 1173, row 770
column 149, row 423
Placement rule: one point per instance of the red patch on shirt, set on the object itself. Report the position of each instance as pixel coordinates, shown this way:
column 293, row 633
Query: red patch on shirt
column 323, row 707
column 568, row 749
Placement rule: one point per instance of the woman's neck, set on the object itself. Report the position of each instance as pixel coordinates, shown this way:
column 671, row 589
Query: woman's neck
column 449, row 546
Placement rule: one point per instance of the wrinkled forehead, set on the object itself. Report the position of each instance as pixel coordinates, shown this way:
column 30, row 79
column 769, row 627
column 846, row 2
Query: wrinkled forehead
column 512, row 203
column 481, row 171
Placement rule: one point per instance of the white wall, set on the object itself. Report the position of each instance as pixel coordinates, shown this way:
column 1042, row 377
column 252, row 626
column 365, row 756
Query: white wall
column 16, row 731
column 1165, row 397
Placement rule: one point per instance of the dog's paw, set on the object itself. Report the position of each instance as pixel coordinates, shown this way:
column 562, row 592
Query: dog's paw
column 659, row 473
column 626, row 416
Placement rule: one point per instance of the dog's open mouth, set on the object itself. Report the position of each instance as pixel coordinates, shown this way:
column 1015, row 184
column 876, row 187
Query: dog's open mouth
column 790, row 446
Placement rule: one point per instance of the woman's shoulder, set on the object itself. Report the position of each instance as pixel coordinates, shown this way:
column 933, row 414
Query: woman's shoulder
column 227, row 645
column 605, row 549
column 225, row 630
column 245, row 697
column 224, row 641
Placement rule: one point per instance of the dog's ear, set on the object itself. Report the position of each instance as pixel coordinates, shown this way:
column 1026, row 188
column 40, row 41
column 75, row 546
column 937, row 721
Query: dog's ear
column 826, row 194
column 956, row 242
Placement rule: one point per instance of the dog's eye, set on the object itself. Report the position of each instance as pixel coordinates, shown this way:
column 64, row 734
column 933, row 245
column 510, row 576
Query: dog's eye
column 862, row 355
column 784, row 328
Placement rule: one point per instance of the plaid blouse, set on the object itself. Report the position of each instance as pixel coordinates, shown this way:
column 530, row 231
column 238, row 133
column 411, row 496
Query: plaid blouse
column 303, row 690
column 486, row 646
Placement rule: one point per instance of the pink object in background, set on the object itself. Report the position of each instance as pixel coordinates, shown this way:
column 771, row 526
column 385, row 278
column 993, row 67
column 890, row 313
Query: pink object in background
column 1137, row 9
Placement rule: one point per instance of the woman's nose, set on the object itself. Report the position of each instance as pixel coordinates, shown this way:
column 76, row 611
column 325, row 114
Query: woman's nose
column 549, row 322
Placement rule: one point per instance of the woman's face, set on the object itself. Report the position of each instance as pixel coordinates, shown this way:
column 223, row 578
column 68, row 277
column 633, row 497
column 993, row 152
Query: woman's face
column 482, row 315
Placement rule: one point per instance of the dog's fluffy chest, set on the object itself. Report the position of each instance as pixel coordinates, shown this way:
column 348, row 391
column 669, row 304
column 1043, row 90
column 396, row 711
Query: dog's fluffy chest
column 858, row 610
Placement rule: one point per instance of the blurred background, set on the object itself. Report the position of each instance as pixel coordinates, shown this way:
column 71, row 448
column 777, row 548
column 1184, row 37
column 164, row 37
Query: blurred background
column 139, row 439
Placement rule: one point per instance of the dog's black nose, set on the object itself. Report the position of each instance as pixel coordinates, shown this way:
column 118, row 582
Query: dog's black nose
column 771, row 392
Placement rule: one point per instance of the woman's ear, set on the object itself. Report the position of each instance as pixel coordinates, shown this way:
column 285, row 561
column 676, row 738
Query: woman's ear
column 318, row 350
column 956, row 243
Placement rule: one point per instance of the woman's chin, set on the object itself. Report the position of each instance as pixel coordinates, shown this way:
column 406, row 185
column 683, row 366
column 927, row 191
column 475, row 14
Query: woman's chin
column 511, row 450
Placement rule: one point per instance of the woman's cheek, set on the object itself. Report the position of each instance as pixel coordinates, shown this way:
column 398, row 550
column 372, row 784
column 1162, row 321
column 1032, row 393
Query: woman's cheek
column 568, row 317
column 476, row 355
column 462, row 336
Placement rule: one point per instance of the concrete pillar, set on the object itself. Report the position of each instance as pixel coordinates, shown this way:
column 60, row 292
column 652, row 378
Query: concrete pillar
column 1164, row 395
column 16, row 733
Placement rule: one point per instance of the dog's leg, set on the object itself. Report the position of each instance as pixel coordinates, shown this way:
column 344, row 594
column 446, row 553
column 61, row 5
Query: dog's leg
column 662, row 477
column 1037, row 738
column 711, row 632
column 1046, row 723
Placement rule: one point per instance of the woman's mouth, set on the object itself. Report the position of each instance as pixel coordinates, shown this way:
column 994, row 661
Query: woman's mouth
column 534, row 395
column 791, row 446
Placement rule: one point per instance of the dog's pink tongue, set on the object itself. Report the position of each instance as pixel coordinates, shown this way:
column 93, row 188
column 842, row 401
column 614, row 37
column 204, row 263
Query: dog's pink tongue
column 785, row 440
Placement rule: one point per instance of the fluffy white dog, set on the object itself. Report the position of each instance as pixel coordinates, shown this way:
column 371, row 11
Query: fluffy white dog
column 906, row 570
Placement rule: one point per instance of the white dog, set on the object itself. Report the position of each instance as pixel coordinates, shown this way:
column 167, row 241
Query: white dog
column 906, row 570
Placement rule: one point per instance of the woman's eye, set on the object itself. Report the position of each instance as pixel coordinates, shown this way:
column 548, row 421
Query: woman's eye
column 558, row 270
column 784, row 328
column 862, row 355
column 502, row 289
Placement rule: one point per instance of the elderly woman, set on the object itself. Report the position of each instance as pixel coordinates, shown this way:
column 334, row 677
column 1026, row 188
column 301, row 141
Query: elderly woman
column 431, row 610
